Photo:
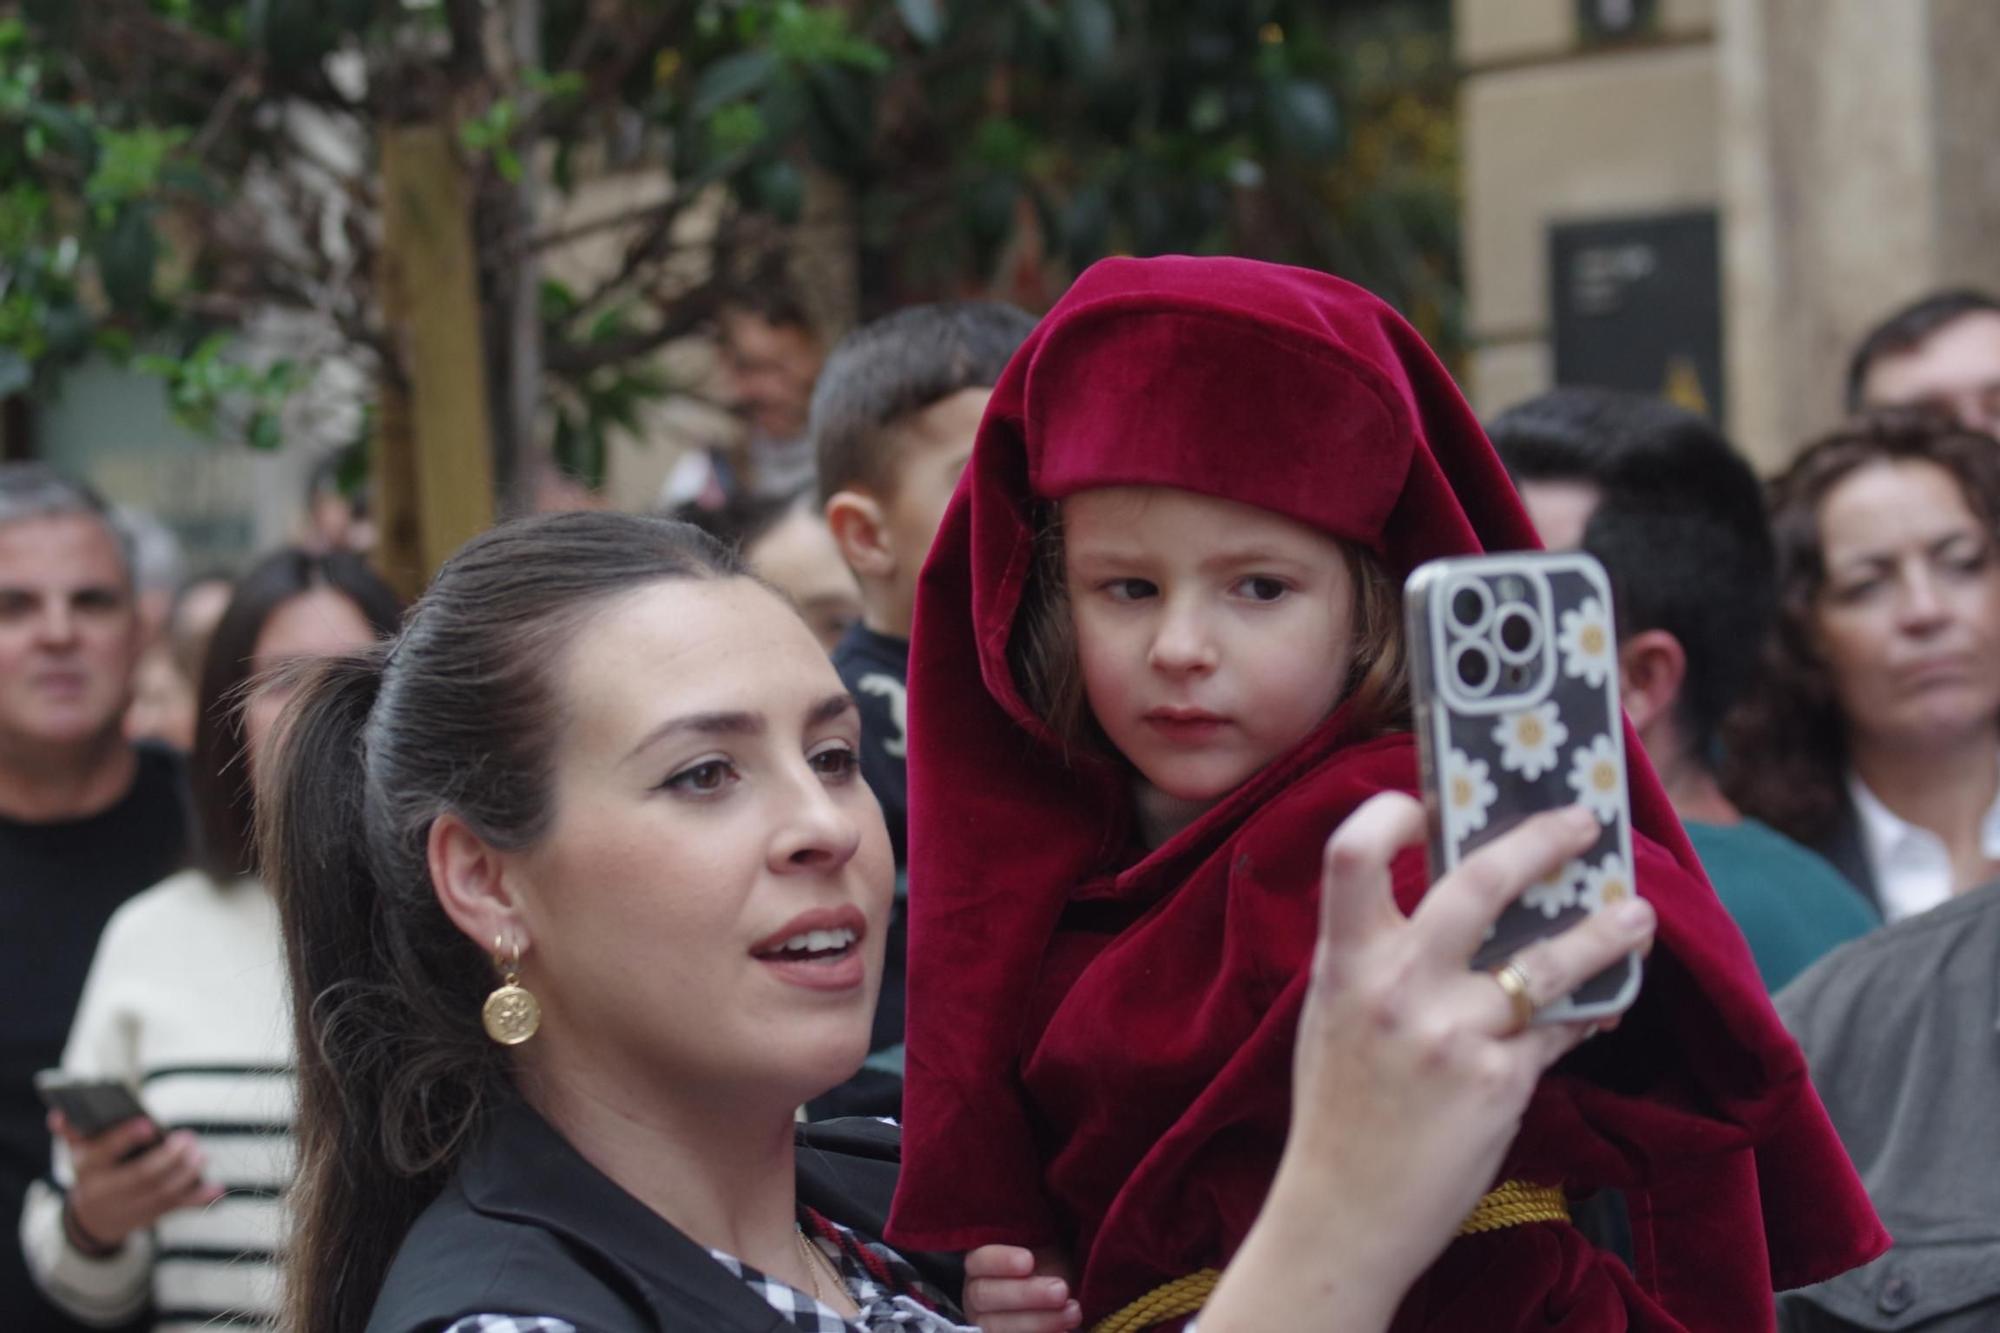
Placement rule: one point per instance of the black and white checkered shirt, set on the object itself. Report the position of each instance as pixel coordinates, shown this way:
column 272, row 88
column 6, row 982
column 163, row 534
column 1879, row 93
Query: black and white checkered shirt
column 891, row 1297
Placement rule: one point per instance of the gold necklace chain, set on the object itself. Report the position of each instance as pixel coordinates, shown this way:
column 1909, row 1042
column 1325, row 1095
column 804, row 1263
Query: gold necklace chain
column 809, row 1251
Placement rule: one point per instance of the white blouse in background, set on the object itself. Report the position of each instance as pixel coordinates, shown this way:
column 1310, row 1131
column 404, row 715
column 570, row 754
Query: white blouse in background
column 1911, row 865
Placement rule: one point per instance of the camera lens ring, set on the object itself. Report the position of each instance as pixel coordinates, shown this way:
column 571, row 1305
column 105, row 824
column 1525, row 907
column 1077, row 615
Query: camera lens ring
column 1473, row 669
column 1473, row 595
column 1527, row 644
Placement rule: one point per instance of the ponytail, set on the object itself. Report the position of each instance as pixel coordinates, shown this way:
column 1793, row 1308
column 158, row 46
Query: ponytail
column 362, row 1057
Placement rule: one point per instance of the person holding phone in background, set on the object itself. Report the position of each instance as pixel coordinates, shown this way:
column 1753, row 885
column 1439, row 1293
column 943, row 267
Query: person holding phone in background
column 87, row 818
column 1158, row 656
column 185, row 1001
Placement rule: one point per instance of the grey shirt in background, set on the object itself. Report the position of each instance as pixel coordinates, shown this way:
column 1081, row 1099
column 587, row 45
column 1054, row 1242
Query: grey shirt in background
column 1902, row 1031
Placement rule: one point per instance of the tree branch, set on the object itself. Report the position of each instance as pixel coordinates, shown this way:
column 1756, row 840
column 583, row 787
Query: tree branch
column 689, row 312
column 664, row 210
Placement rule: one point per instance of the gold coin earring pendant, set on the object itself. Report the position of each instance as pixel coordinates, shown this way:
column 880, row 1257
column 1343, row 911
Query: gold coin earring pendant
column 511, row 1013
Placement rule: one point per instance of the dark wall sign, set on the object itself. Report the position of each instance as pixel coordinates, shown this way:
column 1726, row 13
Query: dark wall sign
column 1638, row 305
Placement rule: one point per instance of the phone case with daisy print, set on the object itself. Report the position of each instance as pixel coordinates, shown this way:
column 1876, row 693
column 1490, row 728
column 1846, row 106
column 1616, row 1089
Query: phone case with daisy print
column 1514, row 686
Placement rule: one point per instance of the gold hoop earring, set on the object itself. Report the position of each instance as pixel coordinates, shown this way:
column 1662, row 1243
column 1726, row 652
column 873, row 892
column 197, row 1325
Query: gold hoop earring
column 511, row 1013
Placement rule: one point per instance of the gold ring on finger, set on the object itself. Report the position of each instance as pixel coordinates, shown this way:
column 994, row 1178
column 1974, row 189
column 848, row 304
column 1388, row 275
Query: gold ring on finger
column 1513, row 982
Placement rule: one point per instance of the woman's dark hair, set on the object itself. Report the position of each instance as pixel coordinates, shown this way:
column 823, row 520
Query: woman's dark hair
column 459, row 715
column 1786, row 746
column 223, row 804
column 1043, row 655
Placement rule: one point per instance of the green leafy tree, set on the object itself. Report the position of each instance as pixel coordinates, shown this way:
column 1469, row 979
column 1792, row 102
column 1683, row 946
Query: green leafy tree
column 176, row 167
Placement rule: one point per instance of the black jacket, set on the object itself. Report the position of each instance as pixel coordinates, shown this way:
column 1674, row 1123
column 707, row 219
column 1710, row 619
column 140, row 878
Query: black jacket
column 1845, row 849
column 528, row 1227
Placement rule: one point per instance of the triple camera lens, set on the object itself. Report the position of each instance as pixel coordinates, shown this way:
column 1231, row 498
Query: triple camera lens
column 1496, row 635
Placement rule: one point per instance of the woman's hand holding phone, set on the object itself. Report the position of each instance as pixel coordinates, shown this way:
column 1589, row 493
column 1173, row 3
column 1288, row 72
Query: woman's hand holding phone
column 1412, row 1070
column 117, row 1193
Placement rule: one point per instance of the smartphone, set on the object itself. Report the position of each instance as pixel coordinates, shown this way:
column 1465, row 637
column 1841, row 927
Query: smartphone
column 93, row 1105
column 1514, row 685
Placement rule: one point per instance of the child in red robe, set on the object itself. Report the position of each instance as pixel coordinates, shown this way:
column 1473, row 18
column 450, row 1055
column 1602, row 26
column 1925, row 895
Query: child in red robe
column 1156, row 662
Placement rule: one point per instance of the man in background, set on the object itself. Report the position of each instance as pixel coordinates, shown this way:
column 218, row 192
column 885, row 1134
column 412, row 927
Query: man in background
column 770, row 357
column 87, row 819
column 1677, row 519
column 1941, row 352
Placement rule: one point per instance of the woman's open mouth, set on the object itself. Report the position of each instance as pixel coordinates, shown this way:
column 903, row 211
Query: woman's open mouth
column 819, row 950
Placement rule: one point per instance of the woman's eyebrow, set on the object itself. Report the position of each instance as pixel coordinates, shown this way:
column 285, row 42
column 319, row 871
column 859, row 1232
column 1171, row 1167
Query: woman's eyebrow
column 706, row 724
column 832, row 707
column 740, row 722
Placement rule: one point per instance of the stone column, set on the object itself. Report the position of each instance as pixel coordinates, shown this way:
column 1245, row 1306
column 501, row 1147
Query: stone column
column 1858, row 172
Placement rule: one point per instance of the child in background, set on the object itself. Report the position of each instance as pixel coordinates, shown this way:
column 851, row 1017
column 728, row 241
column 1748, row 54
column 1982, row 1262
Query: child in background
column 1160, row 659
column 893, row 419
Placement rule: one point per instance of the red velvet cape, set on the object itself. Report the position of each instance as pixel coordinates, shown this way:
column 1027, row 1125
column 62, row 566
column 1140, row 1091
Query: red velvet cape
column 1116, row 1080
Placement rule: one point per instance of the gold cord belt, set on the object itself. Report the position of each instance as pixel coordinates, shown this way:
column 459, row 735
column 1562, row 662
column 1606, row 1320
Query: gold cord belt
column 1512, row 1203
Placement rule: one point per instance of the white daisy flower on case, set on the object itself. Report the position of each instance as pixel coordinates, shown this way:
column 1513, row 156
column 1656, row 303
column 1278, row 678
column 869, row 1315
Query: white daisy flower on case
column 1530, row 740
column 1551, row 895
column 1589, row 645
column 1598, row 778
column 1468, row 794
column 1605, row 884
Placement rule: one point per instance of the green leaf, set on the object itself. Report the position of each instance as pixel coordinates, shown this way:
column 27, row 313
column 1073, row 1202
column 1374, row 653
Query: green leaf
column 265, row 432
column 784, row 106
column 569, row 83
column 59, row 127
column 924, row 19
column 730, row 79
column 127, row 256
column 129, row 163
column 735, row 129
column 779, row 189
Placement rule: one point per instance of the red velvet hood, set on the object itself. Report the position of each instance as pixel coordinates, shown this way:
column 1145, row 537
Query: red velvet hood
column 1123, row 1092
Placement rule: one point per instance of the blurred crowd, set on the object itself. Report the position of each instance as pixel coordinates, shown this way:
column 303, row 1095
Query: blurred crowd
column 1811, row 663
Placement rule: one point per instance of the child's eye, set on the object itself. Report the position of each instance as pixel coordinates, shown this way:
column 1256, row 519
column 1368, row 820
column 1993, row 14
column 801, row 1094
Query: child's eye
column 1130, row 590
column 836, row 763
column 1262, row 588
column 703, row 779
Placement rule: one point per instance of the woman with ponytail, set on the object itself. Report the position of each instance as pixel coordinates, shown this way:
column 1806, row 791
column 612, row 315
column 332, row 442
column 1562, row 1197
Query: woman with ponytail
column 583, row 895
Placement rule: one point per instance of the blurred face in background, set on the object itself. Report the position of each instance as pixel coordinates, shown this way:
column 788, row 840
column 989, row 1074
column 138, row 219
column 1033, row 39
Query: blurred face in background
column 1956, row 370
column 320, row 622
column 1907, row 620
column 163, row 707
column 1560, row 510
column 799, row 557
column 768, row 371
column 69, row 633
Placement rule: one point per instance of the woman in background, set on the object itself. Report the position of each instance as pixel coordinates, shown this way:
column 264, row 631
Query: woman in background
column 1875, row 738
column 186, row 1002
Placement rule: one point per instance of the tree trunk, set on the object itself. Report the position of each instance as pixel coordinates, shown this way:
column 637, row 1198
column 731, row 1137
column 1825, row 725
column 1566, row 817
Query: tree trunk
column 434, row 459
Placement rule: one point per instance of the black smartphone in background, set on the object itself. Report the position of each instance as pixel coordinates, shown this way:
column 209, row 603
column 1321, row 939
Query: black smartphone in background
column 93, row 1106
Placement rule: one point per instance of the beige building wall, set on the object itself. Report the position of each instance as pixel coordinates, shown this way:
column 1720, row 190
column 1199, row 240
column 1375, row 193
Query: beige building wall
column 1555, row 131
column 1847, row 145
column 1858, row 162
